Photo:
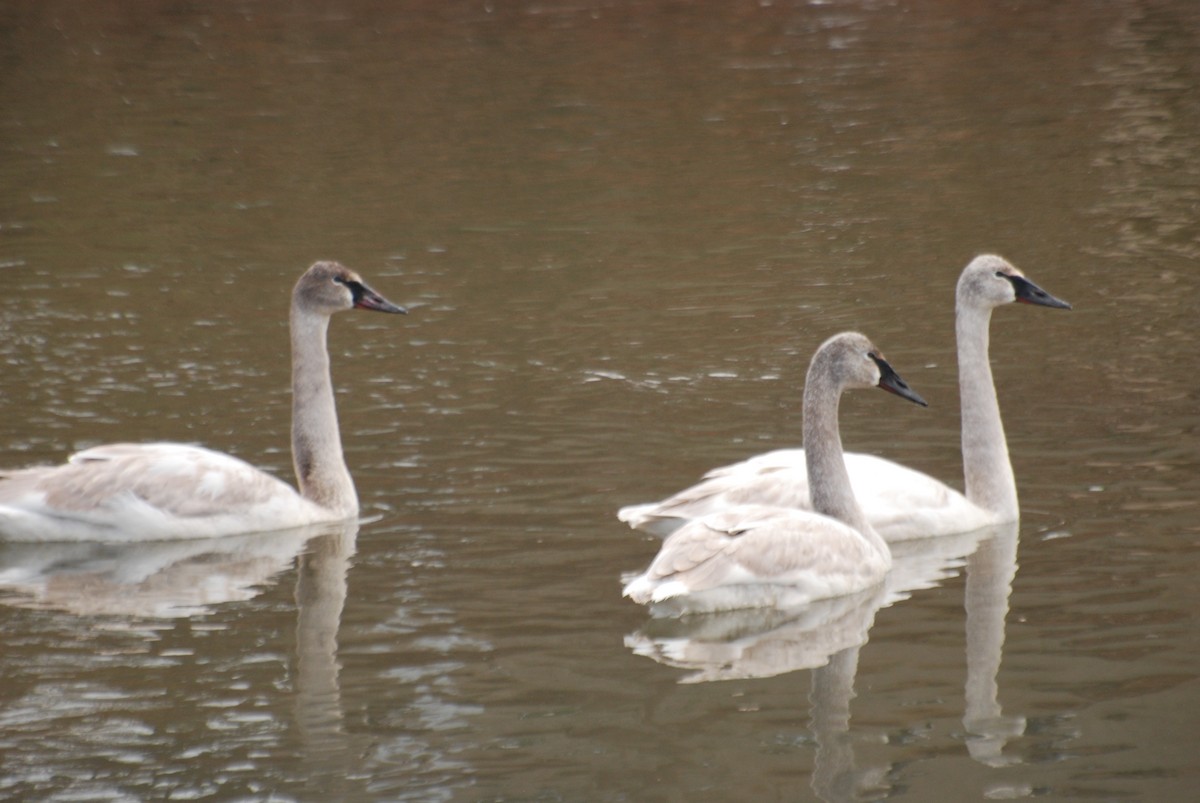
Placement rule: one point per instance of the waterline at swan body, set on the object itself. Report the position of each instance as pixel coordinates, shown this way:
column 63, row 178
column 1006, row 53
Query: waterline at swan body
column 758, row 557
column 900, row 502
column 762, row 556
column 166, row 491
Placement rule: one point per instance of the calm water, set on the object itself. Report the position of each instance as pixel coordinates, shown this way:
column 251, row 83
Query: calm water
column 621, row 229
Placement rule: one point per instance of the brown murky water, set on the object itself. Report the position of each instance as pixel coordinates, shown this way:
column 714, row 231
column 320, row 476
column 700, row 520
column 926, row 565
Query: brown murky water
column 622, row 228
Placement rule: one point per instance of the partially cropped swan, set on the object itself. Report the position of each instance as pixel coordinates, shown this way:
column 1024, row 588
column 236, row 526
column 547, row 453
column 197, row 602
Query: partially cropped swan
column 162, row 491
column 900, row 503
column 757, row 556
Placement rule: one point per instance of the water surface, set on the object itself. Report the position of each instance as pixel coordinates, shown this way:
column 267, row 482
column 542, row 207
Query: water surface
column 621, row 229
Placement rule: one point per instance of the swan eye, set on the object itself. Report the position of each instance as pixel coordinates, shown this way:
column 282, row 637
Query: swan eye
column 339, row 280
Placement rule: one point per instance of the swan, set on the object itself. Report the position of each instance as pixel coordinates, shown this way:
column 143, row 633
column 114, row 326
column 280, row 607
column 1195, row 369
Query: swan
column 167, row 491
column 761, row 556
column 900, row 502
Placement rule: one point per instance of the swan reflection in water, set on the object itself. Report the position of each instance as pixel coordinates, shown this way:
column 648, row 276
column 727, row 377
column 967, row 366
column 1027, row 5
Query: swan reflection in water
column 158, row 580
column 179, row 579
column 990, row 572
column 319, row 715
column 827, row 636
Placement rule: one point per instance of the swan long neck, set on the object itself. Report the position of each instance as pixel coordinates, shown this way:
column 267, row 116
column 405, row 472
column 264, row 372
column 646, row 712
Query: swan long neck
column 316, row 440
column 987, row 472
column 828, row 480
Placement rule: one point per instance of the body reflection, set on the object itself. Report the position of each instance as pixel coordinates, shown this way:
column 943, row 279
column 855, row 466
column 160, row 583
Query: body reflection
column 771, row 641
column 759, row 642
column 827, row 637
column 169, row 579
column 178, row 579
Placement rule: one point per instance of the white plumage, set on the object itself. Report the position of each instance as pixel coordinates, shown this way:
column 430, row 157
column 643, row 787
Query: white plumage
column 901, row 503
column 164, row 491
column 755, row 557
column 762, row 556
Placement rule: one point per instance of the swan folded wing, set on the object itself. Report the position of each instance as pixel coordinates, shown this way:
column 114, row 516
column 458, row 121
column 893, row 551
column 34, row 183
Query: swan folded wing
column 901, row 503
column 179, row 480
column 780, row 479
column 774, row 479
column 816, row 556
column 805, row 549
column 765, row 463
column 164, row 488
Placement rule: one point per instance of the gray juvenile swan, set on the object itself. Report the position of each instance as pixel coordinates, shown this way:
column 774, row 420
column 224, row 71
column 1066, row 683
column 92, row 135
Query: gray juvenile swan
column 900, row 503
column 758, row 556
column 163, row 491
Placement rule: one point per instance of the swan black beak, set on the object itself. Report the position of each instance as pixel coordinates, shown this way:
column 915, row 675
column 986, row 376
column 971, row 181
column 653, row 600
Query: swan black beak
column 366, row 298
column 1029, row 293
column 890, row 381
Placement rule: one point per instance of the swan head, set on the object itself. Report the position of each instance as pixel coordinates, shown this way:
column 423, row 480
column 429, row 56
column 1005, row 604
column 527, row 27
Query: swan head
column 851, row 360
column 329, row 287
column 989, row 281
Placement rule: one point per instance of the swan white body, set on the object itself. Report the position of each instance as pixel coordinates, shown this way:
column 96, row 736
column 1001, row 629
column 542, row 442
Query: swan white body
column 758, row 557
column 166, row 491
column 901, row 503
column 761, row 556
